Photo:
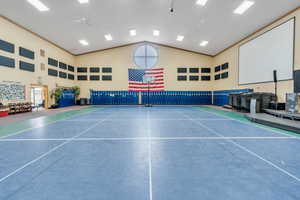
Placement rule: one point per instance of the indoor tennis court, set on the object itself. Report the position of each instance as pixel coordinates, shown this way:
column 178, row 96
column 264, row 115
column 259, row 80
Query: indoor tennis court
column 149, row 100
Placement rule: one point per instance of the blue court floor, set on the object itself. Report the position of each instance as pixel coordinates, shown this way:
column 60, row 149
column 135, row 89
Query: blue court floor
column 158, row 153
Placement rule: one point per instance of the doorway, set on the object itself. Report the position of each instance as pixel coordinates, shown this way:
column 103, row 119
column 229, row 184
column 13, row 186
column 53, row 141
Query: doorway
column 39, row 97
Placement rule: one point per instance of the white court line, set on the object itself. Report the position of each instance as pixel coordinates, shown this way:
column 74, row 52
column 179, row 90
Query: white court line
column 43, row 125
column 145, row 138
column 160, row 119
column 49, row 152
column 251, row 124
column 149, row 155
column 247, row 150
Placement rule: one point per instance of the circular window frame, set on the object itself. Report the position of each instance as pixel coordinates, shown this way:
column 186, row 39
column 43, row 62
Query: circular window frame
column 145, row 66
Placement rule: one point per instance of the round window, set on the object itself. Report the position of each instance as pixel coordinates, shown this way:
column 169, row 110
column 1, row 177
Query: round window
column 146, row 56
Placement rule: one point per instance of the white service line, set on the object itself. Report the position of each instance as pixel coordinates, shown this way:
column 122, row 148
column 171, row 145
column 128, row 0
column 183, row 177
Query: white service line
column 49, row 152
column 46, row 124
column 247, row 150
column 145, row 138
column 149, row 155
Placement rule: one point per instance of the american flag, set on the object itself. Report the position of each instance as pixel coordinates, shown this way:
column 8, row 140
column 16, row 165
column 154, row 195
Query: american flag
column 137, row 77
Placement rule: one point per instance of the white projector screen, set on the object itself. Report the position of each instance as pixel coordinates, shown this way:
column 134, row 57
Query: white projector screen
column 273, row 50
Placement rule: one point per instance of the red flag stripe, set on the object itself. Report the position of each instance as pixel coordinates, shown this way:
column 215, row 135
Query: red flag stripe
column 153, row 73
column 152, row 87
column 155, row 69
column 158, row 83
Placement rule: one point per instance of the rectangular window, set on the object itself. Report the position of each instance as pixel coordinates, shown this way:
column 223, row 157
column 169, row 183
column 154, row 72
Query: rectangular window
column 205, row 78
column 218, row 77
column 82, row 78
column 26, row 66
column 6, row 46
column 62, row 75
column 71, row 77
column 107, row 78
column 94, row 78
column 181, row 78
column 82, row 69
column 224, row 75
column 225, row 66
column 181, row 70
column 217, row 68
column 52, row 62
column 94, row 69
column 26, row 53
column 52, row 72
column 62, row 65
column 194, row 78
column 194, row 70
column 106, row 70
column 205, row 70
column 71, row 68
column 7, row 62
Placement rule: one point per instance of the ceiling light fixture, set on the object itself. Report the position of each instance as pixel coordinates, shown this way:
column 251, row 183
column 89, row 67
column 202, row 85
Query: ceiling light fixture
column 243, row 7
column 201, row 2
column 132, row 32
column 156, row 32
column 108, row 37
column 204, row 43
column 180, row 38
column 84, row 42
column 83, row 1
column 38, row 5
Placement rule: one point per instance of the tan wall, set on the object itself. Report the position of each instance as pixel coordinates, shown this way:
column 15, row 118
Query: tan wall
column 231, row 56
column 22, row 38
column 121, row 59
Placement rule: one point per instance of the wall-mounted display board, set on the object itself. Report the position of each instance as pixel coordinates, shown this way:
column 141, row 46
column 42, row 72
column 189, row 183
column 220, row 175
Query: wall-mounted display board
column 7, row 62
column 12, row 91
column 273, row 50
column 7, row 46
column 26, row 53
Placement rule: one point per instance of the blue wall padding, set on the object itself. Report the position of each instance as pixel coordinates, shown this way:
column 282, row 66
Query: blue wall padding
column 155, row 97
column 67, row 99
column 221, row 97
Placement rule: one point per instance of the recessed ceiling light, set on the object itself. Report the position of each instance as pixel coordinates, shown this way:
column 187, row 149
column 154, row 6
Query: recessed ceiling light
column 201, row 2
column 84, row 42
column 108, row 37
column 180, row 38
column 38, row 5
column 243, row 7
column 156, row 32
column 83, row 1
column 203, row 43
column 132, row 32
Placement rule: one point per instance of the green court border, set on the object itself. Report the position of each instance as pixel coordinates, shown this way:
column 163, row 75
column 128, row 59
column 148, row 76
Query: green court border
column 19, row 127
column 241, row 117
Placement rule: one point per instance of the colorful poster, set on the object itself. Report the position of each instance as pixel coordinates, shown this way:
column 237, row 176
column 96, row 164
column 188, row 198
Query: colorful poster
column 12, row 91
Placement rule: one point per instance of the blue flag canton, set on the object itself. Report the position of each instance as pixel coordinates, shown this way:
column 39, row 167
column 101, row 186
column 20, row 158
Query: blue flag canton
column 136, row 75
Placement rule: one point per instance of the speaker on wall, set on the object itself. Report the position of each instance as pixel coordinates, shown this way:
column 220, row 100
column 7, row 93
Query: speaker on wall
column 275, row 76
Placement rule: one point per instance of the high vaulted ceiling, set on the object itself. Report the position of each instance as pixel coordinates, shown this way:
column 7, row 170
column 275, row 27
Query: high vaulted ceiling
column 67, row 22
